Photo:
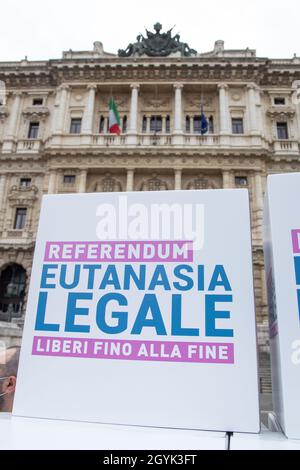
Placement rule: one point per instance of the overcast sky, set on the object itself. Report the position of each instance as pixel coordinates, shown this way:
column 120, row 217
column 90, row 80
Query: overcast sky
column 42, row 29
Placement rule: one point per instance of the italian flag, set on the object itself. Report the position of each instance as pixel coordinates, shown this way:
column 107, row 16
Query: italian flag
column 113, row 118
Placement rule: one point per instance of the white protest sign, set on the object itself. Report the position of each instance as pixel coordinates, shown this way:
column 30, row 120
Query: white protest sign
column 142, row 312
column 282, row 260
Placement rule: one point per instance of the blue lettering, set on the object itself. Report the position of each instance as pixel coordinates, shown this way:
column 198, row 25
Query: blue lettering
column 122, row 317
column 211, row 315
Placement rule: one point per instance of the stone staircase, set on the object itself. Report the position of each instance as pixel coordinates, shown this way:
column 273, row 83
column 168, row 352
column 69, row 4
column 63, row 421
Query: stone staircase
column 265, row 382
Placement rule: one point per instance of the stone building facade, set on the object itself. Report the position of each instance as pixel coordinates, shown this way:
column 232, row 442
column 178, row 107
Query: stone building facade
column 54, row 139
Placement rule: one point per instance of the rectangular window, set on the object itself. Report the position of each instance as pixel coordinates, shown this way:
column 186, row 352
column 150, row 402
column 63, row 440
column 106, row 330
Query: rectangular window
column 282, row 130
column 75, row 126
column 25, row 182
column 237, row 126
column 20, row 218
column 241, row 181
column 69, row 179
column 279, row 101
column 33, row 130
column 156, row 124
column 37, row 102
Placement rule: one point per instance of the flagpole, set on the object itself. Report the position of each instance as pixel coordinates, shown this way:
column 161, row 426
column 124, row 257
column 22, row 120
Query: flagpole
column 201, row 100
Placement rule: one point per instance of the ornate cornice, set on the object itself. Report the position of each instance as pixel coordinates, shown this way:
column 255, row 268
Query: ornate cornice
column 40, row 112
column 188, row 70
column 280, row 112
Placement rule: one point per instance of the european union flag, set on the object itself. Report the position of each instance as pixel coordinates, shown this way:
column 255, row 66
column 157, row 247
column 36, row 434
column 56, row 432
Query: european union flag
column 204, row 123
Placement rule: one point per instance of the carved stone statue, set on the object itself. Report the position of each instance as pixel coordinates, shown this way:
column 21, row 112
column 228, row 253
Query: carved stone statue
column 157, row 45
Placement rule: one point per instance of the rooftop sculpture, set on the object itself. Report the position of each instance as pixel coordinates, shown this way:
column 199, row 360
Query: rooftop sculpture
column 157, row 45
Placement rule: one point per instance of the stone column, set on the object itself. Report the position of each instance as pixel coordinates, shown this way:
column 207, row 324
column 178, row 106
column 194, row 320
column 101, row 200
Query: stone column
column 253, row 120
column 148, row 124
column 52, row 187
column 82, row 181
column 88, row 117
column 61, row 112
column 178, row 130
column 224, row 109
column 130, row 179
column 178, row 175
column 164, row 120
column 133, row 119
column 178, row 108
column 228, row 182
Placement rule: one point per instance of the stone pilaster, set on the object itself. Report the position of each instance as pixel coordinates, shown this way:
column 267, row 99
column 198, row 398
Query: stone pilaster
column 2, row 195
column 225, row 127
column 228, row 179
column 12, row 125
column 62, row 109
column 82, row 181
column 52, row 187
column 130, row 179
column 253, row 115
column 178, row 176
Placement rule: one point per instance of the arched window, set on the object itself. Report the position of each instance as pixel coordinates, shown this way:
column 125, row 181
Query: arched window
column 12, row 290
column 124, row 124
column 156, row 124
column 187, row 124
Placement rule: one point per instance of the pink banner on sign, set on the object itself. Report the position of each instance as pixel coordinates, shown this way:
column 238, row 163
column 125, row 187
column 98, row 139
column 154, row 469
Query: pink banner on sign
column 295, row 240
column 119, row 251
column 131, row 350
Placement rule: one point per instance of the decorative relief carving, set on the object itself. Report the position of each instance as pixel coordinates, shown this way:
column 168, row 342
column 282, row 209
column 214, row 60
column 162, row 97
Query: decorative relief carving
column 154, row 184
column 108, row 184
column 280, row 113
column 194, row 101
column 150, row 102
column 36, row 112
column 22, row 196
column 122, row 100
